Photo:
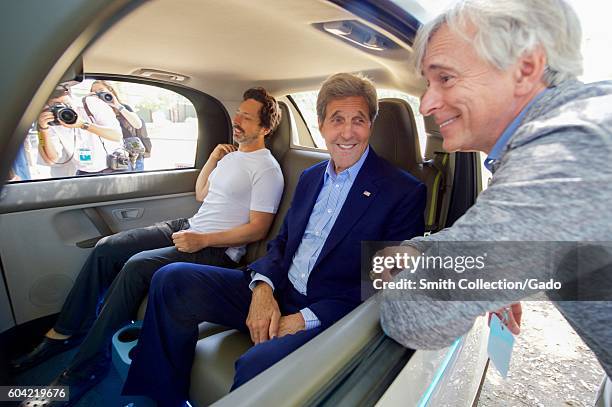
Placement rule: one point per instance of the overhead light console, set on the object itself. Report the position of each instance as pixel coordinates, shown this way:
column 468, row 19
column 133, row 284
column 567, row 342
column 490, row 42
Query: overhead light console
column 358, row 34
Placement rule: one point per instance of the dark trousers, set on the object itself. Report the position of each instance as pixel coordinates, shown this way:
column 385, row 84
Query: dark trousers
column 183, row 295
column 125, row 262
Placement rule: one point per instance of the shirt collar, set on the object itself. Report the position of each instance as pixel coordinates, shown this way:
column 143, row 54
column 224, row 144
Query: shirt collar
column 503, row 140
column 352, row 171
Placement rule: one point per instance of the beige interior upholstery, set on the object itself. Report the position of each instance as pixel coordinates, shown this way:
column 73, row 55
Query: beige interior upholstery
column 395, row 136
column 278, row 143
column 224, row 47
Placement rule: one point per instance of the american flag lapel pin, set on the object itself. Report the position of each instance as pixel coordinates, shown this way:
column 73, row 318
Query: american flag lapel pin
column 367, row 193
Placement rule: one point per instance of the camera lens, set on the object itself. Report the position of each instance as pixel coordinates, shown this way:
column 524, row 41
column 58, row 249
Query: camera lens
column 67, row 115
column 105, row 96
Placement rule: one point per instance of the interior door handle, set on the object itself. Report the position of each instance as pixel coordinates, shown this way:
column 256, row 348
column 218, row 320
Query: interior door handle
column 128, row 213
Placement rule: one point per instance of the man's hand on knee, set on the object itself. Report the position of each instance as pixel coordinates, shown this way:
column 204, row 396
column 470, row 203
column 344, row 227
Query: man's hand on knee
column 264, row 314
column 188, row 241
column 291, row 324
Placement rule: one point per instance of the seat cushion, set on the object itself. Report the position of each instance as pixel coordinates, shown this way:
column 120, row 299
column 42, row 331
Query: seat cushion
column 204, row 329
column 212, row 372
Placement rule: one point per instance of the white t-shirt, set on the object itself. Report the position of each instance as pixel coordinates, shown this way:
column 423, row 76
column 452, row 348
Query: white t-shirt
column 241, row 182
column 80, row 149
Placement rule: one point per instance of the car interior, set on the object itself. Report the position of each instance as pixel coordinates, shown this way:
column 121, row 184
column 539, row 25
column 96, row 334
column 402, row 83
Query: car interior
column 209, row 52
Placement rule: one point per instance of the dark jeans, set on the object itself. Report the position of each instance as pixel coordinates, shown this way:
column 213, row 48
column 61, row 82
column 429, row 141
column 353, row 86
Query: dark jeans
column 183, row 295
column 138, row 165
column 125, row 262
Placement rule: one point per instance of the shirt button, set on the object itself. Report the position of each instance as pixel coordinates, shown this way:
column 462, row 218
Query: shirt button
column 303, row 275
column 329, row 211
column 317, row 232
column 337, row 185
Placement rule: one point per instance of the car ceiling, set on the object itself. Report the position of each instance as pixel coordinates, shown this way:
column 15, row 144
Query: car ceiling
column 225, row 46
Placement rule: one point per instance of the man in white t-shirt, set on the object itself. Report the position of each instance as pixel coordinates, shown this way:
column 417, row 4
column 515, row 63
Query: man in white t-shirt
column 240, row 188
column 77, row 145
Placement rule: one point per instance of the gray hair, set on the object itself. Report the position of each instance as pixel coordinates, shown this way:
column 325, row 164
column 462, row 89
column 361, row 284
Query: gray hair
column 507, row 29
column 342, row 85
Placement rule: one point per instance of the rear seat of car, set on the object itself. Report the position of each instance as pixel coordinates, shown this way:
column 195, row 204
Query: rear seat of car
column 395, row 138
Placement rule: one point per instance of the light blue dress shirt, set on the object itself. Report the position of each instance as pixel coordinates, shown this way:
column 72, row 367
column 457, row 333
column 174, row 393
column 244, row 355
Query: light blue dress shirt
column 498, row 148
column 324, row 214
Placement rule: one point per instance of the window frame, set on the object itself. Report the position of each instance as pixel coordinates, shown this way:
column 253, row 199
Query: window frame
column 208, row 134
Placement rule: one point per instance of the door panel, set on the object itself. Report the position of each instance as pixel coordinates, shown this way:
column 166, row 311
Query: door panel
column 41, row 223
column 6, row 315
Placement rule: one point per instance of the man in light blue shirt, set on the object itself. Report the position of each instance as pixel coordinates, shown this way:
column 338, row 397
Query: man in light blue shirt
column 310, row 276
column 326, row 209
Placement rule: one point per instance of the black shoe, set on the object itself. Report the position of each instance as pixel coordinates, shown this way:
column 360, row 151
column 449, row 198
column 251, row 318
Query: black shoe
column 78, row 380
column 45, row 350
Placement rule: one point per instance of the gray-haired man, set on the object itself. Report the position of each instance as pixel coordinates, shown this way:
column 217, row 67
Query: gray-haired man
column 501, row 79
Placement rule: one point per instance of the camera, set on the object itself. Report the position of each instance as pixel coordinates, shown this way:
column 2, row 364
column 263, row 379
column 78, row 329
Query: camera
column 121, row 158
column 118, row 160
column 64, row 113
column 105, row 96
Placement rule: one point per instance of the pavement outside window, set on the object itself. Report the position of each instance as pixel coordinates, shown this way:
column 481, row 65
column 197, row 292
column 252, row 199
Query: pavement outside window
column 550, row 365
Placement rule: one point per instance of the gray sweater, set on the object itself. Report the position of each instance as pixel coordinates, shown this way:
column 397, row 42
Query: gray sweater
column 552, row 183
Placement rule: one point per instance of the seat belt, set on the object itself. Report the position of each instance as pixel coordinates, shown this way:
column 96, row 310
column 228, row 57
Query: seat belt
column 439, row 162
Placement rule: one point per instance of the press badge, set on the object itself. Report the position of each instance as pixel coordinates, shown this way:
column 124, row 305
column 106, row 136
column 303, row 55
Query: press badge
column 84, row 156
column 500, row 345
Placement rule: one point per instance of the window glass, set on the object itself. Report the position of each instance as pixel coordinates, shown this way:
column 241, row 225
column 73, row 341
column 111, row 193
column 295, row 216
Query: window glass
column 307, row 104
column 132, row 127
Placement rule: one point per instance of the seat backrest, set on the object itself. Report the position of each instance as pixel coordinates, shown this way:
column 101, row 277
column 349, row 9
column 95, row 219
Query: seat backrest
column 395, row 137
column 279, row 141
column 292, row 163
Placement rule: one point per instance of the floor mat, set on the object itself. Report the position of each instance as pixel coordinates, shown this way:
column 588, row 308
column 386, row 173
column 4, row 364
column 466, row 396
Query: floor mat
column 104, row 394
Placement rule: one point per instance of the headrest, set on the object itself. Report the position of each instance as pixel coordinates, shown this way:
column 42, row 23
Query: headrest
column 395, row 137
column 279, row 141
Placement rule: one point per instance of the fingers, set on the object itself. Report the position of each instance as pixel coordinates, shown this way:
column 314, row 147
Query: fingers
column 258, row 330
column 510, row 317
column 512, row 324
column 223, row 149
column 517, row 311
column 252, row 334
column 227, row 148
column 274, row 324
column 178, row 239
column 44, row 118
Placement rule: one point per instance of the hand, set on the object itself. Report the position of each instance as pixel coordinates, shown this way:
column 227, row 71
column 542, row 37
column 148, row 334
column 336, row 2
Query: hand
column 264, row 314
column 188, row 241
column 76, row 125
column 290, row 324
column 221, row 150
column 513, row 322
column 114, row 103
column 44, row 118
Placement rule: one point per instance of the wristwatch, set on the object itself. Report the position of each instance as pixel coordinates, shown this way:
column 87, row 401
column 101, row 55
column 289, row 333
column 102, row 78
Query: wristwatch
column 85, row 126
column 120, row 108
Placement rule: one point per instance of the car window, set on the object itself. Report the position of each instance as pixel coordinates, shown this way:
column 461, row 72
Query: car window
column 153, row 129
column 306, row 102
